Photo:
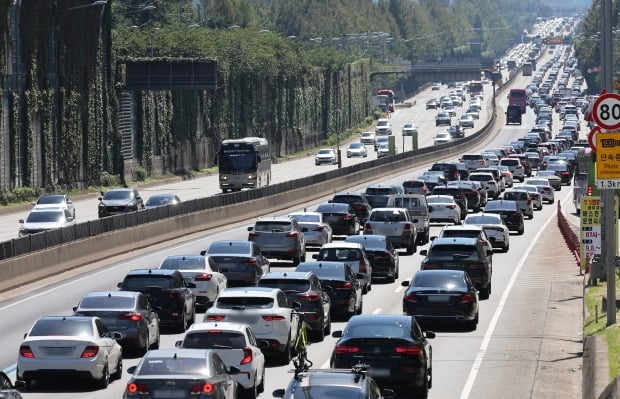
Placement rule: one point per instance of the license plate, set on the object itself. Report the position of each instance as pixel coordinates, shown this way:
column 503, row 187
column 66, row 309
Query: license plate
column 189, row 280
column 438, row 299
column 169, row 393
column 379, row 372
column 58, row 351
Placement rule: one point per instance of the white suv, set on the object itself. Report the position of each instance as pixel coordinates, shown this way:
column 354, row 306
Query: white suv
column 515, row 167
column 383, row 127
column 265, row 310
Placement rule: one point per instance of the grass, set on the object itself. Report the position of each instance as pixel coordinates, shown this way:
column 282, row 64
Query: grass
column 593, row 298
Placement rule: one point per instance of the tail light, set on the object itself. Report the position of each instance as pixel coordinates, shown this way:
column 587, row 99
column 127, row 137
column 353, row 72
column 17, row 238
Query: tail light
column 451, row 206
column 90, row 351
column 253, row 234
column 467, row 298
column 137, row 388
column 564, row 172
column 203, row 277
column 309, row 296
column 367, row 228
column 529, row 201
column 175, row 294
column 411, row 297
column 589, row 190
column 273, row 318
column 343, row 349
column 519, row 167
column 344, row 286
column 132, row 316
column 250, row 261
column 363, row 266
column 408, row 350
column 215, row 317
column 319, row 229
column 247, row 356
column 347, row 217
column 293, row 235
column 25, row 351
column 407, row 229
column 206, row 388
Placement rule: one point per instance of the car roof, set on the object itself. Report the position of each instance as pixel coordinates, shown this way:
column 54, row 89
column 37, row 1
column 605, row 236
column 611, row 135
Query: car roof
column 273, row 219
column 178, row 352
column 287, row 275
column 125, row 294
column 323, row 264
column 342, row 245
column 454, row 240
column 160, row 272
column 254, row 291
column 220, row 325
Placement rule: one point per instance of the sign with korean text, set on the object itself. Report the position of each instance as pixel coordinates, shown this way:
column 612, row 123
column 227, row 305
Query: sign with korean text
column 608, row 156
column 590, row 232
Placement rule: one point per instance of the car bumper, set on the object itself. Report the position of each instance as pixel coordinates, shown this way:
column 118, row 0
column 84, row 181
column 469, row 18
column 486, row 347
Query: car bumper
column 38, row 368
column 393, row 373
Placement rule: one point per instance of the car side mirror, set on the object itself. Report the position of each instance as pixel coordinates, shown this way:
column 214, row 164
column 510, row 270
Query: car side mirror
column 278, row 393
column 116, row 335
column 329, row 201
column 415, row 220
column 131, row 369
column 250, row 228
column 327, row 288
column 232, row 370
column 138, row 197
column 359, row 276
column 295, row 305
column 315, row 256
column 25, row 335
column 424, row 252
column 489, row 252
column 337, row 334
column 33, row 203
column 405, row 283
column 21, row 221
column 433, row 237
column 120, row 285
column 100, row 198
column 305, row 229
column 429, row 334
column 19, row 384
column 430, row 208
column 156, row 309
column 203, row 253
column 75, row 308
column 178, row 344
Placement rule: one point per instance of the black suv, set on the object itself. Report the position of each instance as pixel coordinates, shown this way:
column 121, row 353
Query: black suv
column 359, row 203
column 305, row 288
column 119, row 200
column 166, row 290
column 450, row 170
column 472, row 194
column 461, row 253
column 509, row 212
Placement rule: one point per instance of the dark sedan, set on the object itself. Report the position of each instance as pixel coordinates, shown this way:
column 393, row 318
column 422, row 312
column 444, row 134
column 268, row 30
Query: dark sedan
column 240, row 261
column 341, row 217
column 357, row 201
column 394, row 347
column 442, row 295
column 561, row 170
column 346, row 291
column 381, row 254
column 509, row 212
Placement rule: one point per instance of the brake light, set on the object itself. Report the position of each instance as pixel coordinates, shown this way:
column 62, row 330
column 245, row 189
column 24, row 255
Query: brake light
column 203, row 277
column 529, row 201
column 345, row 286
column 174, row 294
column 309, row 297
column 319, row 229
column 215, row 331
column 407, row 229
column 90, row 351
column 293, row 235
column 589, row 190
column 253, row 234
column 451, row 206
column 408, row 350
column 564, row 172
column 273, row 318
column 25, row 351
column 137, row 388
column 411, row 298
column 347, row 217
column 362, row 266
column 215, row 317
column 247, row 356
column 206, row 388
column 467, row 298
column 367, row 228
column 343, row 349
column 133, row 316
column 250, row 261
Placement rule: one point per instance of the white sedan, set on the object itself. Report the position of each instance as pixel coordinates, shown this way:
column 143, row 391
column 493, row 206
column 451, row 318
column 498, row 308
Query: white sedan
column 318, row 232
column 442, row 208
column 494, row 228
column 267, row 313
column 356, row 150
column 442, row 138
column 237, row 346
column 409, row 129
column 200, row 270
column 73, row 345
column 544, row 188
column 466, row 120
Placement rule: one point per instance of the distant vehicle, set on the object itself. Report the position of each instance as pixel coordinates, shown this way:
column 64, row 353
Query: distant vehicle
column 316, row 231
column 383, row 127
column 442, row 138
column 55, row 201
column 244, row 163
column 119, row 200
column 279, row 237
column 161, row 200
column 396, row 224
column 527, row 68
column 409, row 129
column 475, row 88
column 325, row 156
column 435, row 86
column 518, row 97
column 513, row 114
column 45, row 219
column 368, row 138
column 389, row 99
column 240, row 261
column 443, row 118
column 466, row 120
column 357, row 150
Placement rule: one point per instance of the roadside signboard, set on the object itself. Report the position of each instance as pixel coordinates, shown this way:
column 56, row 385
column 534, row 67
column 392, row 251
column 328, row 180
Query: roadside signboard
column 608, row 160
column 606, row 111
column 590, row 236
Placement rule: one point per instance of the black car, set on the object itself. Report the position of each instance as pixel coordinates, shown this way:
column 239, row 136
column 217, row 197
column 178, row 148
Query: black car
column 457, row 193
column 333, row 384
column 462, row 253
column 341, row 218
column 359, row 203
column 378, row 195
column 346, row 290
column 119, row 200
column 509, row 212
column 450, row 170
column 442, row 295
column 240, row 261
column 393, row 346
column 513, row 114
column 561, row 170
column 381, row 254
column 166, row 290
column 471, row 193
column 305, row 288
column 125, row 312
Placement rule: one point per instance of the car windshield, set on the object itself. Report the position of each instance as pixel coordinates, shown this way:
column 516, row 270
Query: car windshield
column 245, row 302
column 214, row 339
column 118, row 195
column 453, row 251
column 158, row 201
column 443, row 280
column 141, row 282
column 482, row 219
column 107, row 302
column 66, row 326
column 273, row 226
column 382, row 123
column 325, row 152
column 285, row 284
column 183, row 263
column 51, row 199
column 356, row 145
column 173, row 366
column 388, row 216
column 237, row 162
column 44, row 217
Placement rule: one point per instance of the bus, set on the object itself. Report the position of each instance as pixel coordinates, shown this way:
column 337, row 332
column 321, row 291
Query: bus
column 386, row 99
column 518, row 97
column 474, row 88
column 244, row 163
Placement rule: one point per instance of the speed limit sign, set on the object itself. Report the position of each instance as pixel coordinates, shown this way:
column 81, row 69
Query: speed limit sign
column 606, row 111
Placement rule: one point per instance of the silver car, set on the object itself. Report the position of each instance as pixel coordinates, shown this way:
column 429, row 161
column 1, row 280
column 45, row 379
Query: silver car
column 316, row 231
column 39, row 220
column 356, row 150
column 325, row 156
column 279, row 237
column 544, row 188
column 493, row 227
column 442, row 208
column 537, row 201
column 55, row 201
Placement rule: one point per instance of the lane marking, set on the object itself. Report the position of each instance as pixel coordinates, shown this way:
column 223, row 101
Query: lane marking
column 376, row 311
column 469, row 383
column 399, row 288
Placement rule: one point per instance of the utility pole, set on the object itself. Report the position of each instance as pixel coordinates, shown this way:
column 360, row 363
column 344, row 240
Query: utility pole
column 608, row 226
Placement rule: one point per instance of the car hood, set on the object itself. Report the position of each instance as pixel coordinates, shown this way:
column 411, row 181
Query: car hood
column 42, row 226
column 122, row 202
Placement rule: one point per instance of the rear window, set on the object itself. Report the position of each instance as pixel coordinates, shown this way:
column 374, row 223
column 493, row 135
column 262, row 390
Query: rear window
column 408, row 203
column 333, row 208
column 323, row 272
column 509, row 162
column 107, row 302
column 471, row 157
column 413, row 184
column 515, row 196
column 500, row 205
column 328, row 392
column 482, row 220
column 183, row 263
column 378, row 201
column 285, row 285
column 461, row 233
column 214, row 339
column 244, row 302
column 228, row 248
column 379, row 191
column 443, row 167
column 62, row 326
column 141, row 282
column 372, row 330
column 388, row 216
column 173, row 366
column 453, row 252
column 347, row 199
column 339, row 254
column 443, row 280
column 273, row 226
column 485, row 177
column 309, row 218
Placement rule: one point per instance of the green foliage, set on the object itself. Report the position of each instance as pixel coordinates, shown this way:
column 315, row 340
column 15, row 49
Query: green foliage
column 26, row 194
column 110, row 180
column 139, row 174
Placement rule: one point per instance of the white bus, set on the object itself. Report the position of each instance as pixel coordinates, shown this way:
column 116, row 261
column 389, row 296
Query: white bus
column 244, row 163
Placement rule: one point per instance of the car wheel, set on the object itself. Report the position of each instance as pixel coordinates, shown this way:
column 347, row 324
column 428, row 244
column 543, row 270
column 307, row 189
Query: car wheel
column 296, row 260
column 471, row 324
column 411, row 248
column 155, row 345
column 521, row 231
column 285, row 356
column 328, row 326
column 119, row 369
column 485, row 292
column 105, row 379
column 422, row 392
column 252, row 392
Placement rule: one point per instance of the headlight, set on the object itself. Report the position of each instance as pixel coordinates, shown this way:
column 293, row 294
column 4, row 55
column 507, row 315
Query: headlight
column 223, row 178
column 251, row 176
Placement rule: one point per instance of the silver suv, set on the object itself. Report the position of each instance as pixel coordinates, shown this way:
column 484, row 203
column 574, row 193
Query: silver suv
column 279, row 237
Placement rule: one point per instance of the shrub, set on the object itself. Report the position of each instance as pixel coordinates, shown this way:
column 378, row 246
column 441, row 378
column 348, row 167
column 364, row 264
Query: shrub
column 139, row 174
column 110, row 180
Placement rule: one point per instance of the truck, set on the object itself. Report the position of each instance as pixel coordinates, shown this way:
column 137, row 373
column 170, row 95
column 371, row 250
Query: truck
column 513, row 115
column 396, row 224
column 527, row 69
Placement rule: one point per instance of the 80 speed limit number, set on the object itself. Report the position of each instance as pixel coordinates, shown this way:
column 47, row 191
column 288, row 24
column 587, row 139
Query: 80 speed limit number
column 606, row 111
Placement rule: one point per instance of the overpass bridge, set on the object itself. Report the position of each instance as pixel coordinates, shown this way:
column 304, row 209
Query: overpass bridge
column 433, row 71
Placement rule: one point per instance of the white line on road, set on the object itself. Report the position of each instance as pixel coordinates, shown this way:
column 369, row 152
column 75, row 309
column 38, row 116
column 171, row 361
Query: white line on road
column 376, row 311
column 469, row 384
column 399, row 288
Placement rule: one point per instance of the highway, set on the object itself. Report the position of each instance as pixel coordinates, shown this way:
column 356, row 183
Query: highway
column 499, row 359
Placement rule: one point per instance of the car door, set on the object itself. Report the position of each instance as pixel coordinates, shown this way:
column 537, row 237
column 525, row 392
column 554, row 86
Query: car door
column 107, row 343
column 259, row 363
column 151, row 318
column 262, row 261
column 220, row 281
column 188, row 296
column 315, row 285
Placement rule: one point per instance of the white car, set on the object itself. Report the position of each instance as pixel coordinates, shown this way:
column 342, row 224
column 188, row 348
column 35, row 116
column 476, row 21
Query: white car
column 237, row 346
column 200, row 270
column 544, row 188
column 379, row 141
column 442, row 138
column 466, row 121
column 383, row 150
column 368, row 138
column 490, row 159
column 553, row 179
column 515, row 167
column 265, row 310
column 318, row 232
column 383, row 127
column 39, row 220
column 435, row 86
column 55, row 201
column 523, row 200
column 357, row 150
column 487, row 181
column 409, row 129
column 494, row 228
column 442, row 208
column 508, row 178
column 71, row 345
column 537, row 201
column 325, row 156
